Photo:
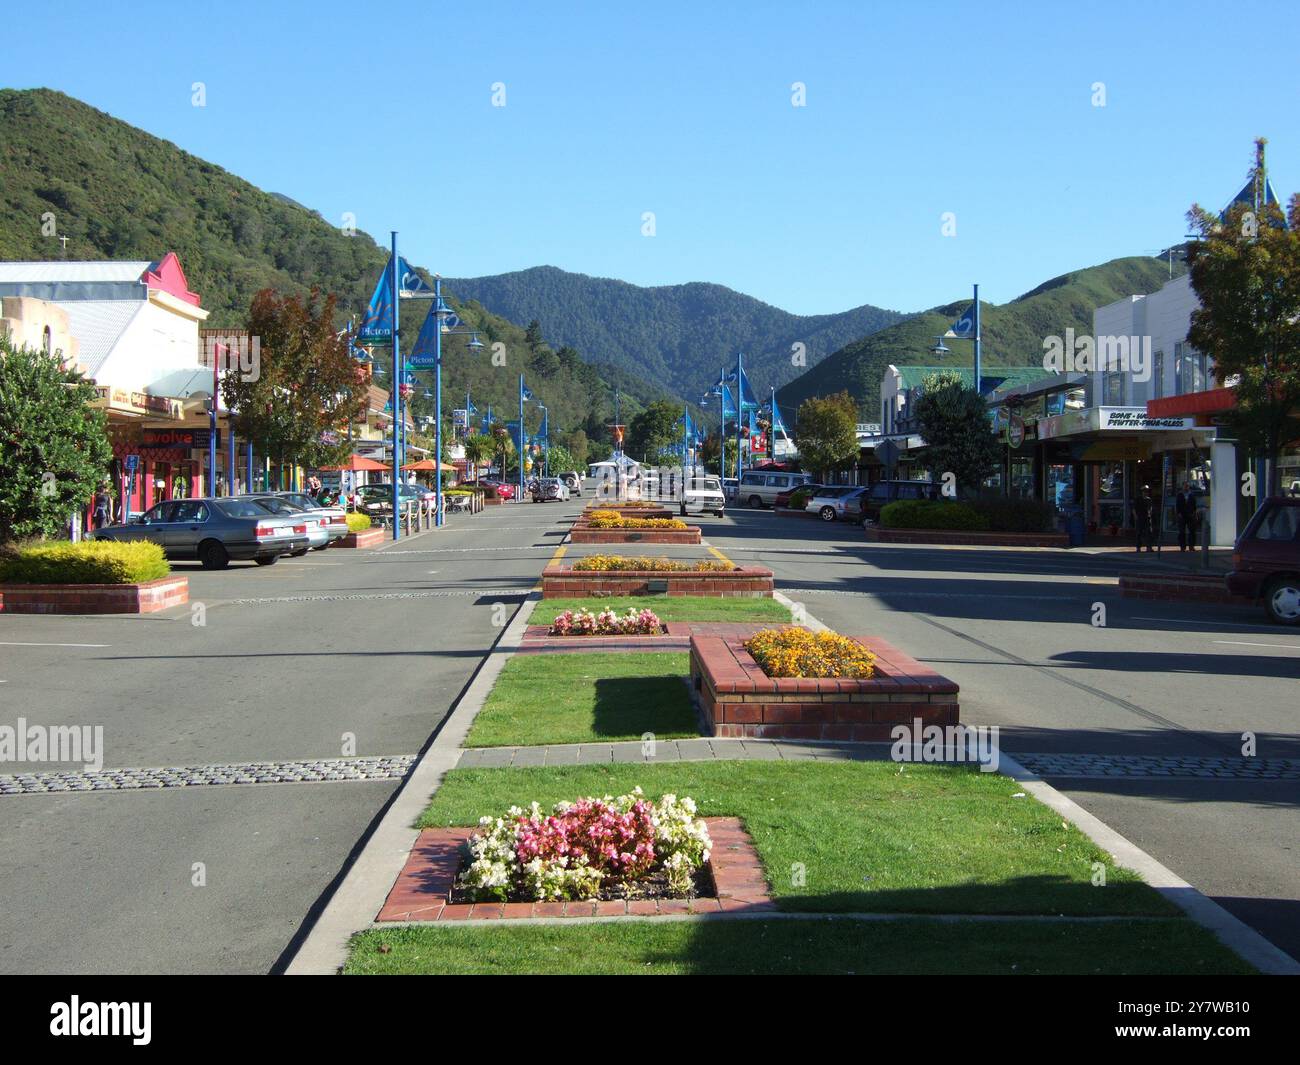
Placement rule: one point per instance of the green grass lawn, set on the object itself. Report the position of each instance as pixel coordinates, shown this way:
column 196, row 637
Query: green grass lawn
column 649, row 946
column 870, row 837
column 585, row 698
column 670, row 608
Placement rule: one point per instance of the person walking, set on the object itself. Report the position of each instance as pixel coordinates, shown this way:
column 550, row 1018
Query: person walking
column 101, row 508
column 1186, row 512
column 1142, row 507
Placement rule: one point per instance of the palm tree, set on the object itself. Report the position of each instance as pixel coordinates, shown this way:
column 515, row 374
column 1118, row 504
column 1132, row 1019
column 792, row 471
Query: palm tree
column 478, row 451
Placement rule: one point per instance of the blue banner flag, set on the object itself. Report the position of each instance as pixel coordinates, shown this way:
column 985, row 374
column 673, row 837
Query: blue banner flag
column 377, row 323
column 964, row 327
column 425, row 352
column 411, row 285
column 526, row 392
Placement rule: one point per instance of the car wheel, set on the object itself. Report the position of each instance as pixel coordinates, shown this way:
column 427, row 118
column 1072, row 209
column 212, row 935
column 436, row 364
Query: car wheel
column 717, row 513
column 756, row 502
column 299, row 554
column 267, row 560
column 1282, row 600
column 212, row 555
column 321, row 548
column 827, row 513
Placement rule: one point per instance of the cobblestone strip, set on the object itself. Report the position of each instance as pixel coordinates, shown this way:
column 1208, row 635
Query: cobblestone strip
column 312, row 771
column 1112, row 766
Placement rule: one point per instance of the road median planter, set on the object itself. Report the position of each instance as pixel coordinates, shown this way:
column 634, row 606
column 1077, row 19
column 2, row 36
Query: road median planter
column 565, row 582
column 738, row 699
column 146, row 597
column 582, row 533
column 958, row 537
column 372, row 537
column 1186, row 587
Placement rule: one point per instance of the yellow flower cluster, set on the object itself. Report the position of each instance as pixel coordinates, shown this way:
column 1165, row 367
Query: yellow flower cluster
column 617, row 522
column 800, row 653
column 647, row 562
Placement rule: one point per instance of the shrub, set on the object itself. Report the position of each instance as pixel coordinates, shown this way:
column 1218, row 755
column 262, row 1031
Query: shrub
column 1016, row 515
column 800, row 653
column 932, row 514
column 617, row 522
column 89, row 562
column 606, row 623
column 358, row 522
column 653, row 563
column 586, row 848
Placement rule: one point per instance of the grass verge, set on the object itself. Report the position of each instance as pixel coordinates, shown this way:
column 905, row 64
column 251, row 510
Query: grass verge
column 586, row 698
column 669, row 608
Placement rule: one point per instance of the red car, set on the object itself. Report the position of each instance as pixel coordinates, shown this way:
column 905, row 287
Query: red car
column 502, row 489
column 1266, row 560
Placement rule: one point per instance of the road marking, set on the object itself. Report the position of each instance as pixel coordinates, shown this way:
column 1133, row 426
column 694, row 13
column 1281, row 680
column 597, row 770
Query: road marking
column 554, row 559
column 1206, row 624
column 1247, row 643
column 6, row 643
column 721, row 557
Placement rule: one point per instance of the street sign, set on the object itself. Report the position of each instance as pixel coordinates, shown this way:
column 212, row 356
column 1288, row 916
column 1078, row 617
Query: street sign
column 887, row 454
column 1015, row 431
column 132, row 463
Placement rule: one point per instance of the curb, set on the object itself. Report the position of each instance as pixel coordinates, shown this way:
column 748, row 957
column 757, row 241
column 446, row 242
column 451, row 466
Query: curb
column 361, row 895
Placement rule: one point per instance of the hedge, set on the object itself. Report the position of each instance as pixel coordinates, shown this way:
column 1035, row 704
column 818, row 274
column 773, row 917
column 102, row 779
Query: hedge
column 1016, row 515
column 932, row 514
column 89, row 562
column 358, row 522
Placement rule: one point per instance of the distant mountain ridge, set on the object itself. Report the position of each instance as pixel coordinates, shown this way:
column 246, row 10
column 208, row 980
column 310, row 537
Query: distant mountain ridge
column 1012, row 332
column 677, row 335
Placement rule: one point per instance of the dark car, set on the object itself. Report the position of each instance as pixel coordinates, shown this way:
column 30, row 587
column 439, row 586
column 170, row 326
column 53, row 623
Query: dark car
column 214, row 531
column 797, row 498
column 882, row 493
column 1266, row 560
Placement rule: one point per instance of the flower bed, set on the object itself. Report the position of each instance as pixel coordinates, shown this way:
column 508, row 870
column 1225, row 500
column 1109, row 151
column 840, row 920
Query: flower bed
column 608, row 848
column 608, row 526
column 606, row 623
column 610, row 575
column 796, row 652
column 738, row 698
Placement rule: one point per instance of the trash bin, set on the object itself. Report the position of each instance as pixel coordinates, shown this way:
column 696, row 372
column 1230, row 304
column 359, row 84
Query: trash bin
column 1074, row 525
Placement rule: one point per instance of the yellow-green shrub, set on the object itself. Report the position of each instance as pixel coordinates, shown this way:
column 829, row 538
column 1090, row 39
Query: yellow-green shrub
column 654, row 563
column 89, row 562
column 636, row 523
column 358, row 522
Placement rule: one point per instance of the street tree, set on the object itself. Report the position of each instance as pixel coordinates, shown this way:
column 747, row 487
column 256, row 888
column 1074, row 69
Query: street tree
column 54, row 447
column 655, row 431
column 1245, row 271
column 576, row 443
column 959, row 438
column 826, row 433
column 307, row 386
column 479, row 449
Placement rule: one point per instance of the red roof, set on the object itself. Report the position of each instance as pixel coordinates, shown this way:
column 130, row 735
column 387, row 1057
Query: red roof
column 1212, row 401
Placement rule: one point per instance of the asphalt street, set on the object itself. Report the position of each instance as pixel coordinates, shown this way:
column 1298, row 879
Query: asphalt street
column 337, row 653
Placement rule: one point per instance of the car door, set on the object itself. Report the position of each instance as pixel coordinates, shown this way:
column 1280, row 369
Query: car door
column 1275, row 545
column 153, row 524
column 187, row 527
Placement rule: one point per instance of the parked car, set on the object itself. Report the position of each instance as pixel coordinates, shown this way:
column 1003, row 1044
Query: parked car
column 546, row 489
column 377, row 499
column 797, row 498
column 214, row 531
column 838, row 502
column 501, row 488
column 572, row 481
column 333, row 514
column 702, row 493
column 1266, row 560
column 317, row 524
column 729, row 488
column 759, row 488
column 884, row 492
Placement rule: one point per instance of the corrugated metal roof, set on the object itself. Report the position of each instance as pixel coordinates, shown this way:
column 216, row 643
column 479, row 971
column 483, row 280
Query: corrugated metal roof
column 97, row 324
column 990, row 376
column 55, row 272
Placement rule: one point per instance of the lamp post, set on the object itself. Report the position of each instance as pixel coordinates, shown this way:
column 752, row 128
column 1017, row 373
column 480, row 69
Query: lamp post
column 546, row 443
column 967, row 327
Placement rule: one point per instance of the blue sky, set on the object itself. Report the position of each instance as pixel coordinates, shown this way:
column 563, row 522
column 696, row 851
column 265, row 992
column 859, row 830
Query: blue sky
column 684, row 110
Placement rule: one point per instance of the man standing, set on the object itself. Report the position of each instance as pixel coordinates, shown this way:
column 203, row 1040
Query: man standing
column 1185, row 510
column 1142, row 518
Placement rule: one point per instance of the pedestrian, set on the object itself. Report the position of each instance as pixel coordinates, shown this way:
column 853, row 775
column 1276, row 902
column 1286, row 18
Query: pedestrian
column 1186, row 511
column 1142, row 507
column 101, row 508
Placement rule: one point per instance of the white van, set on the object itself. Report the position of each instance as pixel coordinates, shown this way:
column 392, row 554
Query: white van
column 759, row 488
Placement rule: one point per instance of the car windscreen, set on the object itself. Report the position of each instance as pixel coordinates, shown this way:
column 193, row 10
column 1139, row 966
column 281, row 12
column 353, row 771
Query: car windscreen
column 241, row 508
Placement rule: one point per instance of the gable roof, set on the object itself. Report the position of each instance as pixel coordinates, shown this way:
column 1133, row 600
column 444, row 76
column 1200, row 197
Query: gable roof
column 991, row 377
column 97, row 325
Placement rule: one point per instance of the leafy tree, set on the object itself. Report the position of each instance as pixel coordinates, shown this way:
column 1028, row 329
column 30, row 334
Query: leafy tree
column 306, row 383
column 54, row 448
column 479, row 449
column 533, row 336
column 826, row 433
column 558, row 459
column 1246, row 273
column 654, row 431
column 576, row 443
column 959, row 438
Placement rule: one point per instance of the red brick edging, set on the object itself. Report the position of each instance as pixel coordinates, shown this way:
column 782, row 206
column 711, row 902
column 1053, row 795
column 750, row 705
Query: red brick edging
column 425, row 882
column 738, row 699
column 676, row 637
column 1186, row 587
column 562, row 582
column 876, row 534
column 372, row 537
column 584, row 534
column 147, row 597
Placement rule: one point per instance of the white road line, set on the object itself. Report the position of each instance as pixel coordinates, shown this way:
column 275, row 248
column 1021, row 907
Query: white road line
column 1205, row 624
column 7, row 643
column 1246, row 643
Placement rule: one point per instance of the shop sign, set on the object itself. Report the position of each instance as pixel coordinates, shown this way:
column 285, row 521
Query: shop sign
column 1137, row 418
column 140, row 403
column 193, row 439
column 1015, row 431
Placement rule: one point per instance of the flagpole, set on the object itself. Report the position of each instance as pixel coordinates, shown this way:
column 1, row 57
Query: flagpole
column 977, row 340
column 437, row 404
column 520, row 499
column 740, row 407
column 397, row 392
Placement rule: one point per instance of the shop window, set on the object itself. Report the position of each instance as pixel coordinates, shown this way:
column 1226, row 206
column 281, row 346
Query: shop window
column 1114, row 393
column 1158, row 375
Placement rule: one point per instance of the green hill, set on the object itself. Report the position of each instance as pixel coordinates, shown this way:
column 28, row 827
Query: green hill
column 117, row 192
column 1012, row 332
column 680, row 335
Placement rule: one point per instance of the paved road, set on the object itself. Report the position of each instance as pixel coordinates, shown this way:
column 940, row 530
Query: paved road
column 1014, row 629
column 288, row 662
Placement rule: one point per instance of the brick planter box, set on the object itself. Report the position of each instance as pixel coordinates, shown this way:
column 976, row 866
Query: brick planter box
column 371, row 537
column 1185, row 587
column 146, row 598
column 876, row 534
column 626, row 511
column 738, row 699
column 564, row 582
column 582, row 533
column 423, row 887
column 676, row 636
